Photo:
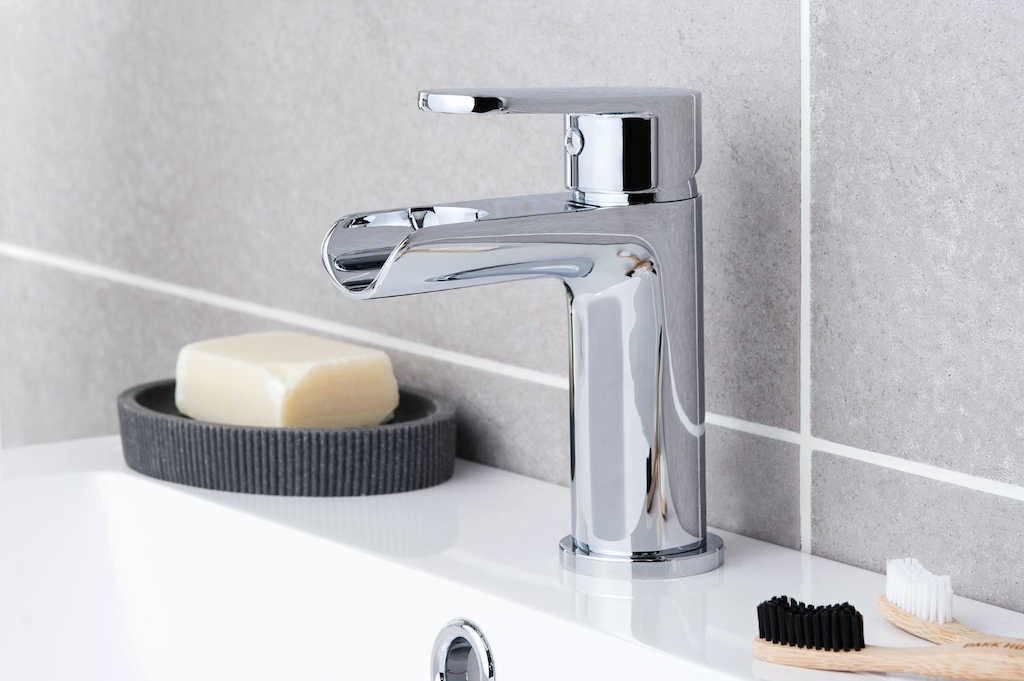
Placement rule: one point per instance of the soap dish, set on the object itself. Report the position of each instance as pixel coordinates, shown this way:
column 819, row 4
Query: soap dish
column 416, row 449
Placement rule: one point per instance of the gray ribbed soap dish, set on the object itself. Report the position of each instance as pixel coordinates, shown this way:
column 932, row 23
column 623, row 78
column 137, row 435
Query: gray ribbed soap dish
column 415, row 449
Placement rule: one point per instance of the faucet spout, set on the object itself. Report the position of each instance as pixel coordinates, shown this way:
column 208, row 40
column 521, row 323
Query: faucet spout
column 424, row 249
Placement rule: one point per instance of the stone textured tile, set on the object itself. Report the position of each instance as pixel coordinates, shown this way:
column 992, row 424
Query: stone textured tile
column 753, row 486
column 69, row 344
column 918, row 256
column 212, row 144
column 863, row 514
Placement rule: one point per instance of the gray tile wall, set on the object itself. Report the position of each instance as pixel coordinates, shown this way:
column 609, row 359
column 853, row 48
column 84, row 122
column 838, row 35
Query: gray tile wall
column 917, row 245
column 918, row 165
column 212, row 144
column 864, row 514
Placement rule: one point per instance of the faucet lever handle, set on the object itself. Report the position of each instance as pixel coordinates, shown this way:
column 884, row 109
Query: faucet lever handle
column 622, row 145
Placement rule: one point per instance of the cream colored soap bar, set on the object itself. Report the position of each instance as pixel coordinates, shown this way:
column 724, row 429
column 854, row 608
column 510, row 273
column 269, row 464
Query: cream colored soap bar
column 285, row 380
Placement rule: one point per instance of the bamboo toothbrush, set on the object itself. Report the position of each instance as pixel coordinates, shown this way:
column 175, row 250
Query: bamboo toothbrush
column 832, row 638
column 921, row 603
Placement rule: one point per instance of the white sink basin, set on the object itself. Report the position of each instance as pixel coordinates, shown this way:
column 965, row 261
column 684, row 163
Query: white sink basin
column 106, row 574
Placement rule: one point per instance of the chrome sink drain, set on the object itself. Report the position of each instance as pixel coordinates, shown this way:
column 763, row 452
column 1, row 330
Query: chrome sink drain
column 461, row 653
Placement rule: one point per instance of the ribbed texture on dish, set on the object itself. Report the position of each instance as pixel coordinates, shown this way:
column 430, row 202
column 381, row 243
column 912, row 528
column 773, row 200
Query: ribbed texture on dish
column 415, row 450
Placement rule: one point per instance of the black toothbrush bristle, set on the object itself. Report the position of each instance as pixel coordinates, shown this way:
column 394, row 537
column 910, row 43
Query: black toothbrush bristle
column 837, row 628
column 830, row 627
column 819, row 641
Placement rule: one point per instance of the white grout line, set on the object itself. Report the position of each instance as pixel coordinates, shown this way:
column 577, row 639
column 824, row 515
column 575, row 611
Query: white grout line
column 805, row 275
column 806, row 487
column 806, row 442
column 760, row 429
column 342, row 330
column 923, row 470
column 278, row 315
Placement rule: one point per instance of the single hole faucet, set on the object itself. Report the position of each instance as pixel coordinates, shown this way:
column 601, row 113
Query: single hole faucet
column 626, row 242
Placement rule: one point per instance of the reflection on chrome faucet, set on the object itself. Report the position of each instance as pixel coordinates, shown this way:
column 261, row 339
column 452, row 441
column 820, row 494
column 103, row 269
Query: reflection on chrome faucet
column 626, row 243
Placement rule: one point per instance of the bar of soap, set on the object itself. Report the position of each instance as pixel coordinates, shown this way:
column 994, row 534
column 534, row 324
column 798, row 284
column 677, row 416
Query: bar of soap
column 282, row 379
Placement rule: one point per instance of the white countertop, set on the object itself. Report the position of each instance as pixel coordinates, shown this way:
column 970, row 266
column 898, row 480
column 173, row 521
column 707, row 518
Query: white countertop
column 107, row 574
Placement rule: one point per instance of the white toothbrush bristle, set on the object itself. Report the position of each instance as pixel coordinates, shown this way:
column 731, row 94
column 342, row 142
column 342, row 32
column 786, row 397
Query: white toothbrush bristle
column 912, row 588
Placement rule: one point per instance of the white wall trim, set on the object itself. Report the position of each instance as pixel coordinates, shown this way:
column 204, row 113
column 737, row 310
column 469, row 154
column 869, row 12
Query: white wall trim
column 753, row 428
column 275, row 314
column 806, row 442
column 805, row 276
column 923, row 470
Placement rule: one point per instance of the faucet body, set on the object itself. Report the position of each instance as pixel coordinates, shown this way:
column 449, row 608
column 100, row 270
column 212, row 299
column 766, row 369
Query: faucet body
column 631, row 264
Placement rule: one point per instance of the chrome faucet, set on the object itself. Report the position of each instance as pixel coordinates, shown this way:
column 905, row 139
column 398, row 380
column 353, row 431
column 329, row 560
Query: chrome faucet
column 626, row 242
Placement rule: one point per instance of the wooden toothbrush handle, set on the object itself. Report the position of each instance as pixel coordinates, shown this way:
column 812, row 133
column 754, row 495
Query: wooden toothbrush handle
column 950, row 632
column 978, row 660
